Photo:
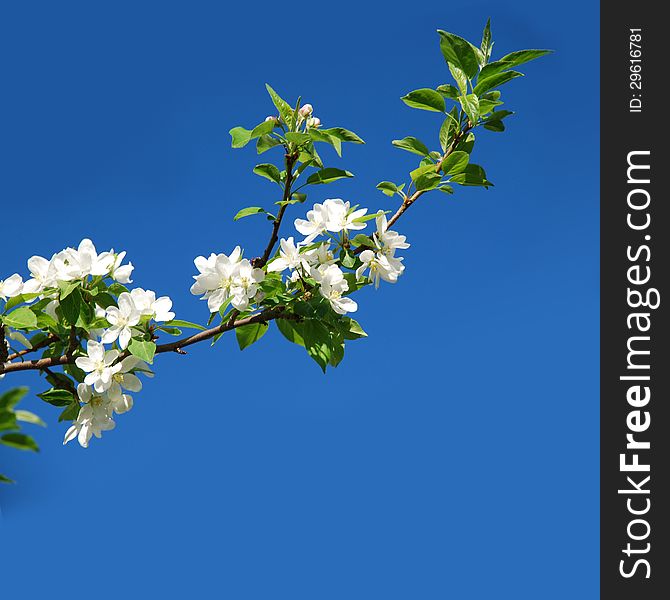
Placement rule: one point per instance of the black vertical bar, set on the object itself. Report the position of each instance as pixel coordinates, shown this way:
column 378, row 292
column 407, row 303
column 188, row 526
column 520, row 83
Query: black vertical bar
column 635, row 246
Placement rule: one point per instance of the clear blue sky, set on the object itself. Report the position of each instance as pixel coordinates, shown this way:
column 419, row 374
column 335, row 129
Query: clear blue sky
column 454, row 453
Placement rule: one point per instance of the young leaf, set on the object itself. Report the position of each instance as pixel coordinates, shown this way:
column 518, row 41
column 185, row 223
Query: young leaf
column 249, row 210
column 248, row 334
column 511, row 60
column 327, row 175
column 387, row 187
column 27, row 417
column 240, row 137
column 494, row 81
column 473, row 175
column 285, row 110
column 291, row 331
column 487, row 43
column 411, row 144
column 455, row 162
column 143, row 350
column 57, row 397
column 70, row 307
column 459, row 52
column 20, row 441
column 448, row 91
column 343, row 135
column 265, row 143
column 268, row 171
column 21, row 318
column 187, row 324
column 12, row 397
column 470, row 104
column 425, row 99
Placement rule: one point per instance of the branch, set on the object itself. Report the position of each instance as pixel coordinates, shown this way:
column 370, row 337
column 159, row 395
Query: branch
column 43, row 344
column 43, row 364
column 262, row 260
column 407, row 202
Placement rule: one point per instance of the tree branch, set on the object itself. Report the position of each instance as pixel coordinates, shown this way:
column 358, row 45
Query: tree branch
column 262, row 260
column 43, row 364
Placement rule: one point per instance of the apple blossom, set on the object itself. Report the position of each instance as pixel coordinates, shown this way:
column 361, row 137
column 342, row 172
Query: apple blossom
column 332, row 285
column 11, row 287
column 100, row 365
column 122, row 319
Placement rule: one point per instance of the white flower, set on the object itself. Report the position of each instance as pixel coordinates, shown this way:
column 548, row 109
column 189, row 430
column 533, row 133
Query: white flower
column 270, row 118
column 388, row 241
column 313, row 122
column 245, row 284
column 289, row 257
column 379, row 266
column 99, row 365
column 122, row 319
column 126, row 379
column 94, row 417
column 305, row 110
column 340, row 217
column 320, row 256
column 314, row 225
column 11, row 287
column 332, row 285
column 121, row 273
column 42, row 273
column 92, row 263
column 148, row 305
column 216, row 277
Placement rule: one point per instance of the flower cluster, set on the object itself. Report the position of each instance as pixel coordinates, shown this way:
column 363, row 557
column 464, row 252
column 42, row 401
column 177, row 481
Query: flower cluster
column 103, row 391
column 81, row 295
column 227, row 279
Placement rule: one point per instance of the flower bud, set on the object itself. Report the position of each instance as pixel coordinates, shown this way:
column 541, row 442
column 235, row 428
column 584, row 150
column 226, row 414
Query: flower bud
column 270, row 118
column 313, row 122
column 305, row 110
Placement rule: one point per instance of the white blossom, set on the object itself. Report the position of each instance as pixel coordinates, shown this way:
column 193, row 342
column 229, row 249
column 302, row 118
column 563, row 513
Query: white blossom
column 94, row 417
column 11, row 287
column 121, row 273
column 289, row 257
column 217, row 277
column 99, row 365
column 245, row 284
column 332, row 285
column 122, row 319
column 148, row 305
column 314, row 225
column 340, row 217
column 379, row 267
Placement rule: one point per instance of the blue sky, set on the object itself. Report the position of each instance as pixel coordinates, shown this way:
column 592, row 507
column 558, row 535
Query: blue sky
column 454, row 453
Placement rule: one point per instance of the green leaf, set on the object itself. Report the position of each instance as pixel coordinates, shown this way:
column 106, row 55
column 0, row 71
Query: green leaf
column 12, row 397
column 497, row 126
column 459, row 52
column 19, row 441
column 455, row 162
column 387, row 188
column 284, row 108
column 448, row 91
column 298, row 137
column 248, row 334
column 467, row 144
column 511, row 60
column 290, row 331
column 187, row 324
column 487, row 43
column 67, row 287
column 70, row 413
column 5, row 479
column 446, row 189
column 57, row 397
column 248, row 211
column 473, row 175
column 427, row 181
column 343, row 135
column 411, row 144
column 263, row 128
column 21, row 318
column 143, row 350
column 8, row 420
column 240, row 137
column 321, row 136
column 470, row 104
column 486, row 106
column 20, row 299
column 447, row 132
column 170, row 330
column 425, row 99
column 70, row 307
column 353, row 329
column 317, row 342
column 265, row 143
column 460, row 77
column 327, row 175
column 484, row 85
column 27, row 417
column 268, row 171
